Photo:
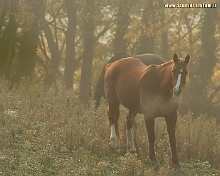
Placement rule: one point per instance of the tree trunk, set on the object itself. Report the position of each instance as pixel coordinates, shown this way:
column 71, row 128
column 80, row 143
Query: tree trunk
column 70, row 43
column 7, row 45
column 86, row 74
column 55, row 57
column 123, row 21
column 164, row 43
column 189, row 28
column 208, row 45
column 27, row 52
column 147, row 37
column 146, row 44
column 54, row 51
column 3, row 14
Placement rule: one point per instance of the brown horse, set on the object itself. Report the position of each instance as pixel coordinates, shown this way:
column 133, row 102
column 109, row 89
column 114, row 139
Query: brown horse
column 150, row 90
column 147, row 59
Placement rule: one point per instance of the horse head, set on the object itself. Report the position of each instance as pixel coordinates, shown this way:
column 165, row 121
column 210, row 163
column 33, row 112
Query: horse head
column 179, row 73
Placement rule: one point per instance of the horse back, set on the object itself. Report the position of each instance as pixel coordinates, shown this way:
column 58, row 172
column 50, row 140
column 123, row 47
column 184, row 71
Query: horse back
column 149, row 59
column 128, row 69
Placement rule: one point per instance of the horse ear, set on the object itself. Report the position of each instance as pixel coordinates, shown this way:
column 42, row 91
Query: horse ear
column 175, row 58
column 187, row 59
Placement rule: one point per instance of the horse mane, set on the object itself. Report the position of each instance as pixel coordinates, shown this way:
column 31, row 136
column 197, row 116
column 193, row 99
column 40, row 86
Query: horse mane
column 153, row 74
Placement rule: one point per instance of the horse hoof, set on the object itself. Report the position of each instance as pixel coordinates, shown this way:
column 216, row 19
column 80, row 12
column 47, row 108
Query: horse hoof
column 132, row 150
column 179, row 169
column 112, row 145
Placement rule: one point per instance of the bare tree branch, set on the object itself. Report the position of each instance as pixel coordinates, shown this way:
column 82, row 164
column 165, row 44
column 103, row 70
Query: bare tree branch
column 185, row 34
column 108, row 25
column 164, row 24
column 54, row 18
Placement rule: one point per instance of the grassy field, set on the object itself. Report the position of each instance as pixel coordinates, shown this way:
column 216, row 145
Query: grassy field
column 49, row 133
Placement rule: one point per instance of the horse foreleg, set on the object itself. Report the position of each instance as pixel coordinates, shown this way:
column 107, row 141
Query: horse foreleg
column 150, row 123
column 129, row 123
column 171, row 124
column 113, row 137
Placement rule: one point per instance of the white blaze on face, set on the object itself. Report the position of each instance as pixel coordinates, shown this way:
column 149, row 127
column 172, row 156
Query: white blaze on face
column 113, row 137
column 177, row 87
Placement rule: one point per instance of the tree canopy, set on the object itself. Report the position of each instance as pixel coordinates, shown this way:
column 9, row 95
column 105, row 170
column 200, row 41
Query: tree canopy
column 67, row 42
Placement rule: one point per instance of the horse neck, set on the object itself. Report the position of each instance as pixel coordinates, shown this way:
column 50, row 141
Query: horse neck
column 166, row 78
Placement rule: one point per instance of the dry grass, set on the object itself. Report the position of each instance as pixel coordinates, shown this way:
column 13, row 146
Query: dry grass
column 50, row 133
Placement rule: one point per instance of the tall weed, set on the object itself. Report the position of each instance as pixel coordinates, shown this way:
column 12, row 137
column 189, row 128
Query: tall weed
column 48, row 132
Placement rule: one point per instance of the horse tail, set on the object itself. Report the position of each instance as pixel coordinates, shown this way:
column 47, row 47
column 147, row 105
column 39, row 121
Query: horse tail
column 99, row 91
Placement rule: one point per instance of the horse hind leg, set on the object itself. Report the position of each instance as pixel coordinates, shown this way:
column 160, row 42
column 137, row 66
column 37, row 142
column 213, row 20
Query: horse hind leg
column 129, row 124
column 113, row 115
